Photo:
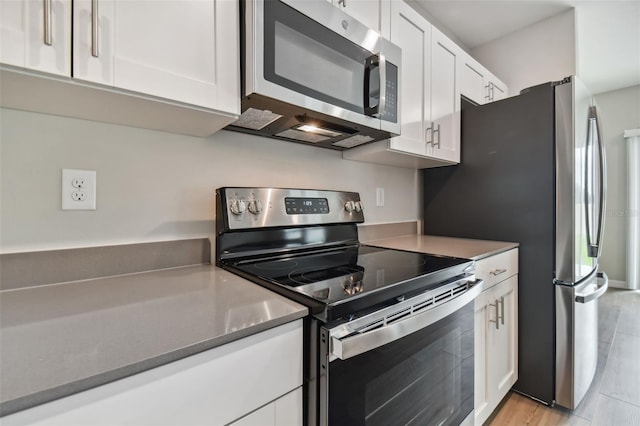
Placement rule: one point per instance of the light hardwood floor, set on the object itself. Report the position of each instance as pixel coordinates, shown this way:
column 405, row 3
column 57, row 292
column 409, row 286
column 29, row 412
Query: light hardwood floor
column 614, row 396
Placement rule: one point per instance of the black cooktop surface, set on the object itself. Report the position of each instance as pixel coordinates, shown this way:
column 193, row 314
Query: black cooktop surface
column 337, row 275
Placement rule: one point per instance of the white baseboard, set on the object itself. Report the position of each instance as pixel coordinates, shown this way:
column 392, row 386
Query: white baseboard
column 617, row 284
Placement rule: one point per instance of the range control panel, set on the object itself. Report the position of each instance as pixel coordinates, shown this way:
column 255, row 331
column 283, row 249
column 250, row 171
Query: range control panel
column 242, row 208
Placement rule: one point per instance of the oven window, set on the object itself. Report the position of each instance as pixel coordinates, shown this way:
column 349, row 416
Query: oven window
column 425, row 378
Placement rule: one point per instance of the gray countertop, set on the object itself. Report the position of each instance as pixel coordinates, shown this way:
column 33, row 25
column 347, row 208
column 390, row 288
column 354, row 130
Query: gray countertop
column 448, row 246
column 56, row 340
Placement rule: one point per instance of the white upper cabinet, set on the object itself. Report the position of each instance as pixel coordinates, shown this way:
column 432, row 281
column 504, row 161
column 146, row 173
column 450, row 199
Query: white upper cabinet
column 443, row 133
column 177, row 50
column 429, row 97
column 171, row 65
column 36, row 34
column 497, row 89
column 412, row 33
column 473, row 81
column 478, row 84
column 369, row 12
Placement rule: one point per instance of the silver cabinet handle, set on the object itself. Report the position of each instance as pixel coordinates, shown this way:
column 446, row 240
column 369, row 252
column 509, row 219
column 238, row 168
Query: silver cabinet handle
column 489, row 95
column 435, row 131
column 342, row 3
column 497, row 320
column 586, row 298
column 428, row 131
column 496, row 272
column 48, row 38
column 499, row 305
column 360, row 343
column 94, row 28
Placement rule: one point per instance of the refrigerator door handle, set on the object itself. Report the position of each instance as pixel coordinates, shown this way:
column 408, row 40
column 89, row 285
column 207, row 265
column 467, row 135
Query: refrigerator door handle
column 594, row 248
column 586, row 298
column 603, row 180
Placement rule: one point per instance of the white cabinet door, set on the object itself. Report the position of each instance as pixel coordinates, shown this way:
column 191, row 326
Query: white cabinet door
column 481, row 393
column 36, row 34
column 496, row 346
column 472, row 84
column 478, row 84
column 412, row 33
column 284, row 411
column 503, row 365
column 495, row 88
column 214, row 387
column 265, row 416
column 289, row 409
column 445, row 99
column 369, row 12
column 186, row 51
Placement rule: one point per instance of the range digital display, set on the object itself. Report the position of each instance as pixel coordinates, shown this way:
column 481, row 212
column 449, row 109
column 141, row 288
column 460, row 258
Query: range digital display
column 295, row 205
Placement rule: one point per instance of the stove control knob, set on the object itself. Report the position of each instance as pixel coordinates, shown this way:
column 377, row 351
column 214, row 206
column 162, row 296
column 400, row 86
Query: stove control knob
column 255, row 206
column 349, row 206
column 238, row 207
column 357, row 206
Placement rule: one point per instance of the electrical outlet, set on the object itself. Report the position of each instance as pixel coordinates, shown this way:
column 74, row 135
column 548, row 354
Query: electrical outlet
column 78, row 196
column 78, row 182
column 78, row 189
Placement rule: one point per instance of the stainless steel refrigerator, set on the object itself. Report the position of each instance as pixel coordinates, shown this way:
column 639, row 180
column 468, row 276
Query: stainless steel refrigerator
column 532, row 171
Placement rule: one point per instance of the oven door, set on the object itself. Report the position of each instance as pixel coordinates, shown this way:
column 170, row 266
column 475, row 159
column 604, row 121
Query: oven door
column 313, row 55
column 413, row 369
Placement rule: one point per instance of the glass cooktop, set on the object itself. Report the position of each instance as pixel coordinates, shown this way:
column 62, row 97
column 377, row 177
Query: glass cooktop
column 335, row 275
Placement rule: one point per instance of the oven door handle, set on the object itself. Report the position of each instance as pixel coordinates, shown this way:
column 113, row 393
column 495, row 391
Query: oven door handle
column 354, row 345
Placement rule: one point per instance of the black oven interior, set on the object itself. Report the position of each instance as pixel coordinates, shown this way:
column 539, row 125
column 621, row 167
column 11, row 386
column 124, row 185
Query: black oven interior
column 425, row 378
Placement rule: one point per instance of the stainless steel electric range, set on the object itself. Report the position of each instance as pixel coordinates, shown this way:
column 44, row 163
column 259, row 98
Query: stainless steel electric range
column 390, row 337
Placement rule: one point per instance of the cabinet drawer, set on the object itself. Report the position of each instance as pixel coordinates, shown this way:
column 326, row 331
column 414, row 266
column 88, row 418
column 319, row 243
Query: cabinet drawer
column 497, row 268
column 213, row 387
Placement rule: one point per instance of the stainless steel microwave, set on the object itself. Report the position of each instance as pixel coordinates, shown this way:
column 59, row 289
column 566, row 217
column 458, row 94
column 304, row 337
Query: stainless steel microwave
column 315, row 75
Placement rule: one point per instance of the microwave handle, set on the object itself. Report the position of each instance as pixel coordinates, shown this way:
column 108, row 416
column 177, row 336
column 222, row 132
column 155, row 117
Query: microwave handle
column 372, row 62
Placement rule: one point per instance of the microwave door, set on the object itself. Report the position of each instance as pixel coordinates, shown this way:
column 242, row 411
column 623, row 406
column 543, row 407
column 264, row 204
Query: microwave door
column 315, row 56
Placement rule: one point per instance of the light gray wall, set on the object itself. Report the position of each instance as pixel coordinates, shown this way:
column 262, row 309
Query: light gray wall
column 619, row 111
column 544, row 51
column 155, row 186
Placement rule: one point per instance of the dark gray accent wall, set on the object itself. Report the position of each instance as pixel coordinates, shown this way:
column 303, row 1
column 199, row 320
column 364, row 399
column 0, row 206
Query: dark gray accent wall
column 504, row 190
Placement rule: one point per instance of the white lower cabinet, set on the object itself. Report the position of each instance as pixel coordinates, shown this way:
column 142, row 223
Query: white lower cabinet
column 496, row 334
column 284, row 411
column 216, row 387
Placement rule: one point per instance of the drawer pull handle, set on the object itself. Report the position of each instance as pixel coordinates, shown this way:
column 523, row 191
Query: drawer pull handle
column 498, row 272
